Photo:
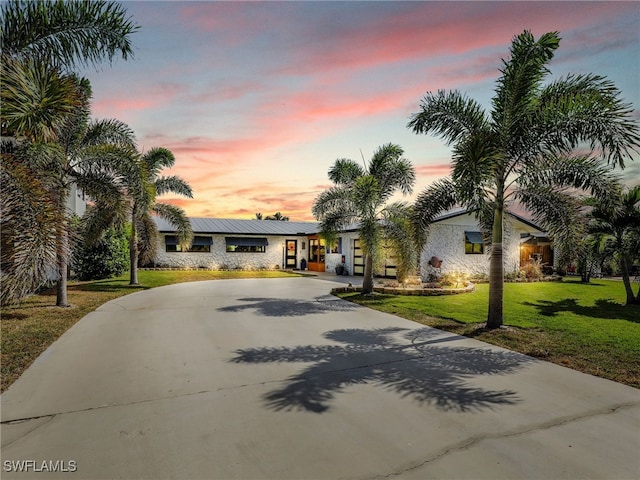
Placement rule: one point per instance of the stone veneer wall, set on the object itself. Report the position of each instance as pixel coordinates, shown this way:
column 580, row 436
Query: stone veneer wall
column 219, row 259
column 447, row 243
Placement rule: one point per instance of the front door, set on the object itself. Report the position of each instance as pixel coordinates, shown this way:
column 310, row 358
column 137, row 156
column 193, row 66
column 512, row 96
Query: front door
column 316, row 253
column 358, row 258
column 291, row 258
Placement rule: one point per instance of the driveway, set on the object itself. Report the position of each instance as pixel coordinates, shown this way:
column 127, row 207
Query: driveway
column 276, row 379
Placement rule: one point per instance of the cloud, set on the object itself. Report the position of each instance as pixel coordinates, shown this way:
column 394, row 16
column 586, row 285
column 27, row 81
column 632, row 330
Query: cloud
column 434, row 170
column 137, row 99
column 423, row 30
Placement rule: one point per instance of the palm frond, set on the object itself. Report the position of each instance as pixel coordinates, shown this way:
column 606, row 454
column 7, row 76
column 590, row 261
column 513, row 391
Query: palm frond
column 100, row 216
column 392, row 171
column 334, row 199
column 399, row 235
column 173, row 184
column 439, row 197
column 520, row 82
column 148, row 239
column 157, row 159
column 366, row 195
column 582, row 172
column 556, row 211
column 27, row 230
column 345, row 171
column 176, row 217
column 449, row 115
column 71, row 34
column 475, row 162
column 36, row 99
column 110, row 131
column 587, row 108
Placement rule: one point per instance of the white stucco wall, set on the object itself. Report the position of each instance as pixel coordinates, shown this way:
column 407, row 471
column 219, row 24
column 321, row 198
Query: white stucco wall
column 446, row 241
column 218, row 258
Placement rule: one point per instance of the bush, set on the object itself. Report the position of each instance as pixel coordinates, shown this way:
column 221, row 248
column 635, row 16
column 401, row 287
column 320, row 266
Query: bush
column 454, row 279
column 532, row 270
column 109, row 257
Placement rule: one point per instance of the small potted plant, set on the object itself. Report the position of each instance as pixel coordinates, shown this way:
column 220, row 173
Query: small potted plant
column 340, row 269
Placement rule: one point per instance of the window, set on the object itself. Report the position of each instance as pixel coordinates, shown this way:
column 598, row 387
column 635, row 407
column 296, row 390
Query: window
column 473, row 243
column 335, row 247
column 199, row 244
column 246, row 245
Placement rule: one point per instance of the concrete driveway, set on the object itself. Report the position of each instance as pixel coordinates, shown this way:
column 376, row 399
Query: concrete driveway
column 275, row 379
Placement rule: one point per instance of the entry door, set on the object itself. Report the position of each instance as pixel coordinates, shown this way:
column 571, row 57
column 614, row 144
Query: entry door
column 358, row 258
column 291, row 259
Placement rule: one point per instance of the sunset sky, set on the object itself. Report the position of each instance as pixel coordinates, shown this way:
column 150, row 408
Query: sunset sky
column 257, row 100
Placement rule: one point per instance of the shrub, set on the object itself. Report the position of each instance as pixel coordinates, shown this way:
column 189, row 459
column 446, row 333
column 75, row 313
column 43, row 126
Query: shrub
column 109, row 257
column 531, row 271
column 453, row 279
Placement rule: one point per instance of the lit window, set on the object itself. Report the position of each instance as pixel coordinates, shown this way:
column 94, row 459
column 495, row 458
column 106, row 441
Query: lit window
column 473, row 243
column 199, row 244
column 246, row 245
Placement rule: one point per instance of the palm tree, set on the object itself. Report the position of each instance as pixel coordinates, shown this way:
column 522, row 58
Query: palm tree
column 66, row 34
column 278, row 217
column 142, row 183
column 527, row 149
column 45, row 111
column 55, row 145
column 360, row 195
column 619, row 220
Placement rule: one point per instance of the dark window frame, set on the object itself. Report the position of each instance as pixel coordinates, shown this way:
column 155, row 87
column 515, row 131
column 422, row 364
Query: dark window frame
column 473, row 247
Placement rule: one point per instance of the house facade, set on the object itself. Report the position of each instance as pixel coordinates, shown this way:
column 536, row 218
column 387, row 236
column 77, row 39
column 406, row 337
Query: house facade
column 237, row 244
column 454, row 239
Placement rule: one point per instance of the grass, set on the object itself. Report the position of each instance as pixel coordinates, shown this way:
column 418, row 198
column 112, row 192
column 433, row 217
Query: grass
column 582, row 326
column 29, row 328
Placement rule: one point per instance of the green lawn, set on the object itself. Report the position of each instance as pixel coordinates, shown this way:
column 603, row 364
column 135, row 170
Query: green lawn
column 583, row 326
column 29, row 328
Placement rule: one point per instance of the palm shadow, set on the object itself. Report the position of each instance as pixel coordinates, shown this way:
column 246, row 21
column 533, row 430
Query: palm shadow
column 412, row 363
column 603, row 308
column 291, row 307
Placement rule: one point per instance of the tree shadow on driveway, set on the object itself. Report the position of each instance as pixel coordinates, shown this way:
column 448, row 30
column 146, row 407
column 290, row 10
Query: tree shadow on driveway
column 291, row 307
column 411, row 363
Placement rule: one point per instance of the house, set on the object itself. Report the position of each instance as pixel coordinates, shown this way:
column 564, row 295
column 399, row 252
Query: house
column 454, row 238
column 221, row 243
column 457, row 241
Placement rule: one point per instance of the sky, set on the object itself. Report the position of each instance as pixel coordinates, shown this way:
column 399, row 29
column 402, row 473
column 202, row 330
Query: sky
column 258, row 99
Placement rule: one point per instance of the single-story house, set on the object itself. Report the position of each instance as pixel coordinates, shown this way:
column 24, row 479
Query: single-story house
column 454, row 238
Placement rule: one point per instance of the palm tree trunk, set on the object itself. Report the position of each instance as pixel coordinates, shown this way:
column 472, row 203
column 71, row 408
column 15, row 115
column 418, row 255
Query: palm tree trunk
column 624, row 268
column 62, row 250
column 496, row 272
column 367, row 282
column 133, row 250
column 62, row 266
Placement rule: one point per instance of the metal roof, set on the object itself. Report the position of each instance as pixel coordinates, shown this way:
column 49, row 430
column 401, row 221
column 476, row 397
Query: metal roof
column 244, row 227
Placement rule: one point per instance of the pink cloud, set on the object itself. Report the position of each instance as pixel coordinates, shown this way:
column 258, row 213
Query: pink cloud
column 122, row 104
column 433, row 170
column 429, row 29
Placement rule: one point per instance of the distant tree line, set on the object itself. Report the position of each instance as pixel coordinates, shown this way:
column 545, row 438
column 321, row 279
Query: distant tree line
column 276, row 216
